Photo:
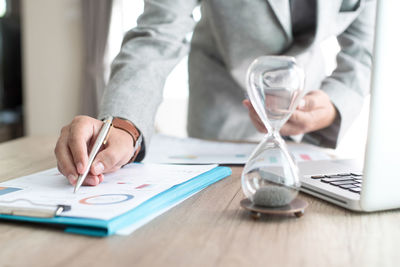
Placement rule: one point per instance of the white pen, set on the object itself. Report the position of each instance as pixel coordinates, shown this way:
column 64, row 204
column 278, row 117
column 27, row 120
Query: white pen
column 101, row 139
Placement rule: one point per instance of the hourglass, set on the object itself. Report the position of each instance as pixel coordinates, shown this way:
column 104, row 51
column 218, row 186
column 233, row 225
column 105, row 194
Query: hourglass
column 270, row 178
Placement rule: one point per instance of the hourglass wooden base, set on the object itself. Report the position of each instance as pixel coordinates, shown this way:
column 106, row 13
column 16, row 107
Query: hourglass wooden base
column 296, row 207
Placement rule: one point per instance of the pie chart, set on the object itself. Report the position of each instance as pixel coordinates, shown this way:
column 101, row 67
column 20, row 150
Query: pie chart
column 106, row 199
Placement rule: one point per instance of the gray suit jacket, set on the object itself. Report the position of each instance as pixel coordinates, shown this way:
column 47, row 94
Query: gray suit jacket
column 229, row 36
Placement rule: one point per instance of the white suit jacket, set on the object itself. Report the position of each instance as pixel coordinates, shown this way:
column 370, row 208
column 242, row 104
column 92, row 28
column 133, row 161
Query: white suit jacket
column 229, row 36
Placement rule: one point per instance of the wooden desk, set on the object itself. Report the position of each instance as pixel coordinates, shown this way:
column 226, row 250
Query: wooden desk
column 209, row 229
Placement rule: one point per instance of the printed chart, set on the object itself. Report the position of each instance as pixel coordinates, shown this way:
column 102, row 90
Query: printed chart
column 106, row 199
column 196, row 151
column 6, row 190
column 202, row 156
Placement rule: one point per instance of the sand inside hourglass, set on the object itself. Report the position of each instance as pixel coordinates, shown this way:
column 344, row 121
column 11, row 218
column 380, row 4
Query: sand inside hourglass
column 269, row 191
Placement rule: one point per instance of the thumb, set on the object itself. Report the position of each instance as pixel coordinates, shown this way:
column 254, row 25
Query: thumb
column 108, row 160
column 308, row 103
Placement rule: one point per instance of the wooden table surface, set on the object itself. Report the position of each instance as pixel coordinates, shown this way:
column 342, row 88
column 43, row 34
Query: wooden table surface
column 209, row 229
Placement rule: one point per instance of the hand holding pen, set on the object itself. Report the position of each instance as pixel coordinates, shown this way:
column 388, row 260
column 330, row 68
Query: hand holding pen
column 75, row 143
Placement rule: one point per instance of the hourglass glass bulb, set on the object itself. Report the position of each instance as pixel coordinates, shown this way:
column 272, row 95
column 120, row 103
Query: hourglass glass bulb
column 283, row 78
column 275, row 87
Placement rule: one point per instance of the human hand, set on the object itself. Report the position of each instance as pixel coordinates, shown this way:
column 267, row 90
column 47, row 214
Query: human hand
column 314, row 112
column 75, row 143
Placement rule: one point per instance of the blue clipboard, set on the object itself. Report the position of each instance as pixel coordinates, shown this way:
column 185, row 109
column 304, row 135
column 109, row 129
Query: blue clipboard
column 101, row 228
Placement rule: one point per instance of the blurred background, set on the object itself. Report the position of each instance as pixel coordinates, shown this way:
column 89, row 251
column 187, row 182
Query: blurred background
column 54, row 64
column 11, row 117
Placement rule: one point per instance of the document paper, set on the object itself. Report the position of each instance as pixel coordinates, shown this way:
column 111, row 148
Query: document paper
column 120, row 191
column 173, row 150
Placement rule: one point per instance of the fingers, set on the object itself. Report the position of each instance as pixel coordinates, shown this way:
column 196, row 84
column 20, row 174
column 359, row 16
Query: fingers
column 108, row 160
column 307, row 103
column 65, row 162
column 93, row 180
column 80, row 135
column 317, row 112
column 313, row 100
column 74, row 143
column 118, row 151
column 71, row 149
column 90, row 180
column 254, row 117
column 303, row 122
column 290, row 128
column 298, row 123
column 314, row 112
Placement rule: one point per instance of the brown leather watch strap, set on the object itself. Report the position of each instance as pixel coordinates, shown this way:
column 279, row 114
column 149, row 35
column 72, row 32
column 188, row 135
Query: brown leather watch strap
column 128, row 127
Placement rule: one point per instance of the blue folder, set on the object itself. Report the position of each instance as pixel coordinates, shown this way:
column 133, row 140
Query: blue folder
column 100, row 228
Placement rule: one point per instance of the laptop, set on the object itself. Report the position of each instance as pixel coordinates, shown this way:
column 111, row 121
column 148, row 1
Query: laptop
column 374, row 184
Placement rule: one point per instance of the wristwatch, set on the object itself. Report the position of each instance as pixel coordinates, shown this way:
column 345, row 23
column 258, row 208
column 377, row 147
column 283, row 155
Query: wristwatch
column 128, row 127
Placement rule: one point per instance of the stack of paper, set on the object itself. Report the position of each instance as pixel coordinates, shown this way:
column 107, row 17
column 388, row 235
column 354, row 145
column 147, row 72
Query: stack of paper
column 125, row 199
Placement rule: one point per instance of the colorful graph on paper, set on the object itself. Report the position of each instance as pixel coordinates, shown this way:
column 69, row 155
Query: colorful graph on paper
column 6, row 190
column 196, row 151
column 299, row 156
column 106, row 199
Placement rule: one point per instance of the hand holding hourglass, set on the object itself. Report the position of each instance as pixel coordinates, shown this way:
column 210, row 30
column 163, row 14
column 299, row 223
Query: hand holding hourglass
column 314, row 112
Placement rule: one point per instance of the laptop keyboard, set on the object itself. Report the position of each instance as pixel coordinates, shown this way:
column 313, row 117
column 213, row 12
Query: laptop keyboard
column 346, row 181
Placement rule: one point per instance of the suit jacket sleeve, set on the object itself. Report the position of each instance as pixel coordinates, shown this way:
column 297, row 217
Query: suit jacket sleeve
column 148, row 53
column 349, row 83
